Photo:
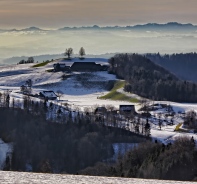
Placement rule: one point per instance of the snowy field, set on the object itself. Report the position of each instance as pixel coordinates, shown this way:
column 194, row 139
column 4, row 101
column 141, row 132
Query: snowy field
column 33, row 178
column 81, row 90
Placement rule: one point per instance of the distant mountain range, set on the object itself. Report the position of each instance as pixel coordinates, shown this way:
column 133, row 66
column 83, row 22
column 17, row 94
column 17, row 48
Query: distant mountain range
column 170, row 25
column 149, row 26
column 25, row 29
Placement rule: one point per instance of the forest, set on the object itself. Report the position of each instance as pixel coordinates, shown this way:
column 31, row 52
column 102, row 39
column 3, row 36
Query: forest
column 57, row 146
column 81, row 144
column 149, row 80
column 175, row 161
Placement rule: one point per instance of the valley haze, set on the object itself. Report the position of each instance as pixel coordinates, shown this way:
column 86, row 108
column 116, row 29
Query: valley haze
column 168, row 38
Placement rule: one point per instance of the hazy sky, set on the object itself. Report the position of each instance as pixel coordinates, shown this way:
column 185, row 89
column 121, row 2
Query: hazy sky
column 60, row 13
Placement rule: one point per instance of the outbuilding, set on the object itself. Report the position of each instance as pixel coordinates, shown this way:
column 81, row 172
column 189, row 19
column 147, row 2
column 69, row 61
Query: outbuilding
column 50, row 95
column 61, row 67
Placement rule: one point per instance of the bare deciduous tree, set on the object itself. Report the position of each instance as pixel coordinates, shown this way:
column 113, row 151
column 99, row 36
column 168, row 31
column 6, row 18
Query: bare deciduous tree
column 68, row 52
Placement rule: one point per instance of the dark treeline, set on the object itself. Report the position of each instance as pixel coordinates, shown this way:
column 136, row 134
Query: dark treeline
column 182, row 65
column 43, row 146
column 175, row 161
column 29, row 60
column 149, row 80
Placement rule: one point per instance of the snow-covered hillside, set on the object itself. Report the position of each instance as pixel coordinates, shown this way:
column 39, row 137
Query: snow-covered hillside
column 35, row 178
column 80, row 90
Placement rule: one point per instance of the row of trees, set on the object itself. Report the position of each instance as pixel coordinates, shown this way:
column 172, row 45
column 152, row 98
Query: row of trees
column 29, row 60
column 69, row 52
column 149, row 80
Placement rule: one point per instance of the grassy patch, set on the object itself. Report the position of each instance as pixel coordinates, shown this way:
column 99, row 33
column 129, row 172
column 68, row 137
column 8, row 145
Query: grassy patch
column 118, row 85
column 114, row 95
column 41, row 64
column 178, row 127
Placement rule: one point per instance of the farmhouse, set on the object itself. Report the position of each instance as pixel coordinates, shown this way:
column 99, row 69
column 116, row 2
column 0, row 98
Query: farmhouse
column 87, row 67
column 50, row 95
column 127, row 109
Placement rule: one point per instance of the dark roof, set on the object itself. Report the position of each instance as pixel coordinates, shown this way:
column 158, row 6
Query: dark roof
column 85, row 66
column 49, row 94
column 127, row 108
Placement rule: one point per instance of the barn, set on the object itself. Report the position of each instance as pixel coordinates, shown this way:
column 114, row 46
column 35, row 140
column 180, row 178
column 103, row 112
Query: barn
column 86, row 67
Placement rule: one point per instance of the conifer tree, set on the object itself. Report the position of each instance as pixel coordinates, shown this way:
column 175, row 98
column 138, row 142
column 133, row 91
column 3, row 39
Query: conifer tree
column 82, row 52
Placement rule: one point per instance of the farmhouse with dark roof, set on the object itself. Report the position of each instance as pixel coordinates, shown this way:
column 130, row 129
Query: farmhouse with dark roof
column 49, row 95
column 87, row 67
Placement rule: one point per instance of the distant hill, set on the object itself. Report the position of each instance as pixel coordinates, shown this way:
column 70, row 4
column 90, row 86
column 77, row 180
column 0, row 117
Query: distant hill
column 183, row 65
column 74, row 28
column 25, row 29
column 149, row 26
column 149, row 80
column 15, row 60
column 170, row 25
column 32, row 29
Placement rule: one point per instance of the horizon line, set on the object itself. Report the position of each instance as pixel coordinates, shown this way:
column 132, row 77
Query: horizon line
column 99, row 26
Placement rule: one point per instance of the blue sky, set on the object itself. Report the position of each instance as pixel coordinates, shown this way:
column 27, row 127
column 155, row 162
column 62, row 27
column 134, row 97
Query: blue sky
column 60, row 13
